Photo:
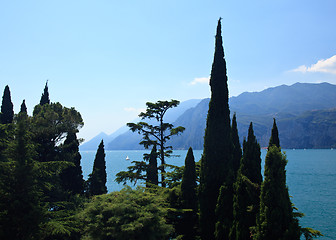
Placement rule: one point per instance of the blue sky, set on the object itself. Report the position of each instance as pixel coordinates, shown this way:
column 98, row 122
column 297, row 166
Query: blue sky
column 108, row 58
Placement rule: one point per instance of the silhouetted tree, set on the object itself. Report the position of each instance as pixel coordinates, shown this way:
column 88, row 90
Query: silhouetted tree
column 152, row 169
column 157, row 134
column 216, row 162
column 72, row 177
column 97, row 179
column 274, row 140
column 45, row 96
column 7, row 112
column 189, row 198
column 237, row 151
column 276, row 219
column 247, row 189
column 23, row 108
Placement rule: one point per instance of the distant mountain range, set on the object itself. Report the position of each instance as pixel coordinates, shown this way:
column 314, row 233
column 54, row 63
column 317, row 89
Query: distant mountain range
column 305, row 114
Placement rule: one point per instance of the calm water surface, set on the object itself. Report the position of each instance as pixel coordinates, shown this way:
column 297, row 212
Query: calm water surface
column 311, row 179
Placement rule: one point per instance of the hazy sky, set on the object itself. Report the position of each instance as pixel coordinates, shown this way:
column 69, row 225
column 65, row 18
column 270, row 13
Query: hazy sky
column 108, row 58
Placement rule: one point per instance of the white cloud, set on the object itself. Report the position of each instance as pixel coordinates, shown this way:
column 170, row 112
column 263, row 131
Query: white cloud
column 201, row 80
column 323, row 65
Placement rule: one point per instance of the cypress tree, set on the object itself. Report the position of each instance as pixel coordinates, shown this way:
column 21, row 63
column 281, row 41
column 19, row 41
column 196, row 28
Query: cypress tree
column 237, row 151
column 247, row 189
column 216, row 163
column 45, row 96
column 7, row 112
column 152, row 169
column 23, row 108
column 274, row 140
column 97, row 179
column 189, row 197
column 22, row 214
column 276, row 219
column 72, row 177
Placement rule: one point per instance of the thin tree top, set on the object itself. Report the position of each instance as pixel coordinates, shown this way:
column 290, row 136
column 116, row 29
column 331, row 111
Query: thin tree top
column 274, row 140
column 45, row 95
column 218, row 79
column 157, row 110
column 7, row 112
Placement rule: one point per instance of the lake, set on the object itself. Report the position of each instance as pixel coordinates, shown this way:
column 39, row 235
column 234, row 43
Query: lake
column 311, row 179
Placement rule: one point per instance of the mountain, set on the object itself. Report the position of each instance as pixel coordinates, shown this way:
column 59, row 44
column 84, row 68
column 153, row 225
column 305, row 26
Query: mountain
column 304, row 114
column 131, row 140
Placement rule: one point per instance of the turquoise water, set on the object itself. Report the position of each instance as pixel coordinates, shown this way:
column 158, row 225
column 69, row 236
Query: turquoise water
column 311, row 179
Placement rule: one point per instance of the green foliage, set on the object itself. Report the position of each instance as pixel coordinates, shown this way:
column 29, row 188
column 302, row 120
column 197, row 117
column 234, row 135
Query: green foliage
column 189, row 198
column 276, row 219
column 23, row 108
column 157, row 134
column 50, row 125
column 45, row 96
column 127, row 214
column 21, row 211
column 7, row 112
column 274, row 140
column 247, row 189
column 72, row 177
column 237, row 151
column 217, row 163
column 96, row 183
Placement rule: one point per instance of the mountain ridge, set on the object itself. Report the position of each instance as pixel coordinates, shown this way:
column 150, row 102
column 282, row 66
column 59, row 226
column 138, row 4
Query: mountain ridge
column 292, row 106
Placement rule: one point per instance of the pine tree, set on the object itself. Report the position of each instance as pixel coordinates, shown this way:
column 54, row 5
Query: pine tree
column 72, row 177
column 97, row 179
column 247, row 189
column 216, row 163
column 7, row 112
column 152, row 169
column 23, row 108
column 274, row 140
column 189, row 197
column 237, row 151
column 45, row 96
column 276, row 219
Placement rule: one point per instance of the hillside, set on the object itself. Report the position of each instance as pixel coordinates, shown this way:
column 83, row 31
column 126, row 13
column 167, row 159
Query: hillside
column 304, row 113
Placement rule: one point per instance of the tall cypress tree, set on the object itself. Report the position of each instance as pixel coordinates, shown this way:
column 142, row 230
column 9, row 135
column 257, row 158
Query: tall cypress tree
column 189, row 197
column 22, row 213
column 247, row 189
column 216, row 163
column 152, row 169
column 274, row 140
column 45, row 96
column 72, row 177
column 7, row 112
column 276, row 219
column 97, row 179
column 237, row 151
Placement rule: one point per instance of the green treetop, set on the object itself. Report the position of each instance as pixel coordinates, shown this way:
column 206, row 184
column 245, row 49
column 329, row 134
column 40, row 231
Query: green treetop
column 216, row 163
column 45, row 96
column 72, row 177
column 7, row 112
column 276, row 219
column 23, row 108
column 247, row 189
column 97, row 179
column 274, row 140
